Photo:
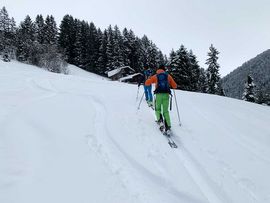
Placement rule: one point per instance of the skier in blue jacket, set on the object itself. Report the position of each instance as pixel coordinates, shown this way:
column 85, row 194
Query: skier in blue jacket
column 147, row 73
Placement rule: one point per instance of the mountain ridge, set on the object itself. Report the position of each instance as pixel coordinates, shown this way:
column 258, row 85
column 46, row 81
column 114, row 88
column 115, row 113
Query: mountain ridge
column 258, row 68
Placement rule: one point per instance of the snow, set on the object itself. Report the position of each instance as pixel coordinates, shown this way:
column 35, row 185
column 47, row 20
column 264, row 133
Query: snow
column 81, row 138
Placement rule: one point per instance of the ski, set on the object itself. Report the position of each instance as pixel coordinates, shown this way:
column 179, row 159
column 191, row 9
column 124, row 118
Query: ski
column 170, row 141
column 168, row 136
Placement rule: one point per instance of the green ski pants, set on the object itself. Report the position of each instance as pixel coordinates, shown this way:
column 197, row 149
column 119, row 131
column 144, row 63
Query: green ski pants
column 162, row 107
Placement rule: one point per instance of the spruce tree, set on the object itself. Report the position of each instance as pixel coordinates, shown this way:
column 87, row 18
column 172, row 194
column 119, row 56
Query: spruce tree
column 134, row 47
column 78, row 44
column 137, row 55
column 109, row 50
column 99, row 69
column 127, row 47
column 93, row 47
column 161, row 59
column 153, row 56
column 67, row 38
column 118, row 60
column 145, row 50
column 195, row 72
column 212, row 74
column 7, row 32
column 181, row 68
column 102, row 56
column 4, row 20
column 40, row 29
column 50, row 31
column 249, row 91
column 26, row 39
column 202, row 82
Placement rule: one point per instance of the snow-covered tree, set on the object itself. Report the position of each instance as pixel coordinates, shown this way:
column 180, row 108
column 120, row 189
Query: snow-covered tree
column 39, row 28
column 7, row 32
column 109, row 50
column 26, row 39
column 102, row 56
column 127, row 46
column 181, row 68
column 118, row 59
column 195, row 71
column 212, row 71
column 50, row 30
column 202, row 83
column 78, row 44
column 67, row 38
column 249, row 91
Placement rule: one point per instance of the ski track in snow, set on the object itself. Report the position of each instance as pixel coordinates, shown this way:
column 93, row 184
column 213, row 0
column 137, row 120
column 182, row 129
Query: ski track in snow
column 200, row 175
column 139, row 191
column 196, row 171
column 97, row 140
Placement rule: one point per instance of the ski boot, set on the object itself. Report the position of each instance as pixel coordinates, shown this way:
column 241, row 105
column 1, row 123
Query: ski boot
column 161, row 125
column 168, row 131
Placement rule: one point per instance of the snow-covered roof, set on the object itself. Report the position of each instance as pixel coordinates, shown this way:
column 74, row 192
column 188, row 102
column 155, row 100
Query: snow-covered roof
column 128, row 77
column 117, row 70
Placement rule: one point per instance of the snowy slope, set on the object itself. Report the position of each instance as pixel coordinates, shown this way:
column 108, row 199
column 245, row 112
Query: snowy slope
column 80, row 138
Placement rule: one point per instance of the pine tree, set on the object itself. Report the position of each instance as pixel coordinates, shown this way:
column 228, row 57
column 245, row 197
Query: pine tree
column 181, row 68
column 99, row 69
column 202, row 83
column 213, row 76
column 7, row 32
column 40, row 29
column 118, row 60
column 78, row 44
column 92, row 47
column 153, row 56
column 67, row 38
column 132, row 50
column 195, row 72
column 109, row 50
column 102, row 56
column 137, row 55
column 160, row 59
column 249, row 92
column 127, row 47
column 4, row 20
column 145, row 50
column 50, row 31
column 26, row 39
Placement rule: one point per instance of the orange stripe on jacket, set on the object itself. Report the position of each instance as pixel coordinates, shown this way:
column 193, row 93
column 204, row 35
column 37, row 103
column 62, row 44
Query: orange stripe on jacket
column 153, row 79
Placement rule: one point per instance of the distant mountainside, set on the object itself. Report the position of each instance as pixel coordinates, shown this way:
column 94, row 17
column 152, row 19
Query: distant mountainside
column 258, row 68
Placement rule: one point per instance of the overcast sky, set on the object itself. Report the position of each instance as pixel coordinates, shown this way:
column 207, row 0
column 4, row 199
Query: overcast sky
column 239, row 29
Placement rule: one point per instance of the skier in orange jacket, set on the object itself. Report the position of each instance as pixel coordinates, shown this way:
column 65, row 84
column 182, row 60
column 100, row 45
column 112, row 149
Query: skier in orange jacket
column 164, row 82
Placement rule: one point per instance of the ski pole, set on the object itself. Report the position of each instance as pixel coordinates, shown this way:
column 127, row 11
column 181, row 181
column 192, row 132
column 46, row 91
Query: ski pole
column 170, row 102
column 137, row 93
column 155, row 103
column 177, row 108
column 140, row 101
